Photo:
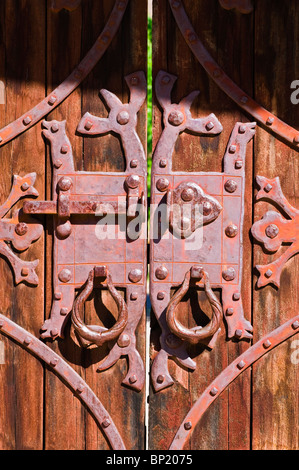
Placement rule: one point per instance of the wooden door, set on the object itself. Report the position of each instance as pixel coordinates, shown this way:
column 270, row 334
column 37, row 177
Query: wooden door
column 238, row 394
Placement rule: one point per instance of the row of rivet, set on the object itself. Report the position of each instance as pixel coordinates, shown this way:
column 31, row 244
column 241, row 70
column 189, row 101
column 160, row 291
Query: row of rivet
column 162, row 184
column 161, row 273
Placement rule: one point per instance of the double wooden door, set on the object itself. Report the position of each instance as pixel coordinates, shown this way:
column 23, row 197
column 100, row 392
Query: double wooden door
column 237, row 388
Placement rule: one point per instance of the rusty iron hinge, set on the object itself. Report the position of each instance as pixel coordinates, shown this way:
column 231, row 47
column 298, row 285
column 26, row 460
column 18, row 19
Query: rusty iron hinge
column 198, row 218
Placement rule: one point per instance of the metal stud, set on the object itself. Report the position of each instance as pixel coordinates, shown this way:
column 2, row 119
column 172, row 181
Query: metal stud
column 213, row 391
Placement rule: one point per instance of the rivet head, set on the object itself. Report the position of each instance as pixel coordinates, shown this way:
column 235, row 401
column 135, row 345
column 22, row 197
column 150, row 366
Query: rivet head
column 173, row 341
column 162, row 184
column 270, row 121
column 25, row 186
column 135, row 275
column 27, row 120
column 133, row 296
column 238, row 164
column 160, row 379
column 133, row 163
column 80, row 388
column 296, row 139
column 187, row 194
column 1, row 323
column 123, row 118
column 176, row 118
column 176, row 4
column 133, row 379
column 185, row 223
column 65, row 275
column 268, row 273
column 188, row 425
column 244, row 99
column 161, row 273
column 210, row 125
column 133, row 181
column 88, row 125
column 229, row 274
column 238, row 333
column 163, row 163
column 55, row 127
column 64, row 311
column 231, row 231
column 52, row 100
column 272, row 231
column 242, row 129
column 267, row 344
column 54, row 362
column 206, row 208
column 161, row 295
column 65, row 183
column 236, row 296
column 58, row 164
column 232, row 149
column 124, row 340
column 213, row 391
column 57, row 295
column 21, row 229
column 165, row 80
column 25, row 272
column 134, row 81
column 268, row 188
column 27, row 341
column 295, row 325
column 196, row 272
column 106, row 423
column 64, row 149
column 229, row 311
column 241, row 365
column 191, row 37
column 230, row 186
column 54, row 332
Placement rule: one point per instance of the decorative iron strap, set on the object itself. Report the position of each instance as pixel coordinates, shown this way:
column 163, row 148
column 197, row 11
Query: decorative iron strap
column 68, row 375
column 29, row 119
column 264, row 117
column 243, row 6
column 228, row 375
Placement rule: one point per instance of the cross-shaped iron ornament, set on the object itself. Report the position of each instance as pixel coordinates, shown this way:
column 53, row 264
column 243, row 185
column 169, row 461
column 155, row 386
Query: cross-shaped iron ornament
column 273, row 230
column 20, row 230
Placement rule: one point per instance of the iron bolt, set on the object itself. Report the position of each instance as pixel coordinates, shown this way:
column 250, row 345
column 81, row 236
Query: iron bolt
column 206, row 208
column 232, row 149
column 65, row 275
column 241, row 365
column 270, row 121
column 272, row 231
column 80, row 388
column 105, row 38
column 52, row 100
column 21, row 229
column 64, row 311
column 229, row 311
column 135, row 275
column 162, row 184
column 267, row 344
column 191, row 37
column 55, row 127
column 163, row 163
column 244, row 99
column 214, row 391
column 176, row 118
column 165, row 80
column 185, row 223
column 160, row 379
column 57, row 295
column 161, row 295
column 173, row 341
column 123, row 118
column 121, row 5
column 54, row 362
column 187, row 194
column 161, row 273
column 134, row 81
column 27, row 341
column 188, row 425
column 176, row 4
column 57, row 163
column 229, row 274
column 216, row 73
column 210, row 125
column 133, row 181
column 268, row 273
column 238, row 164
column 296, row 139
column 64, row 149
column 231, row 231
column 27, row 120
column 25, row 186
column 236, row 296
column 134, row 296
column 295, row 325
column 106, row 423
column 65, row 183
column 242, row 129
column 268, row 188
column 25, row 272
column 123, row 340
column 134, row 163
column 133, row 379
column 238, row 333
column 230, row 186
column 54, row 332
column 88, row 125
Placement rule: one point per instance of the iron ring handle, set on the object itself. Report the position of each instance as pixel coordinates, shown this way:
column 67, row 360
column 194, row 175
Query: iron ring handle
column 93, row 334
column 197, row 334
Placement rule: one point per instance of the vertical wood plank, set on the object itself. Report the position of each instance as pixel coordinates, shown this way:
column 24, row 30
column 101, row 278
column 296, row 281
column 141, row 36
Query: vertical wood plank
column 275, row 378
column 23, row 74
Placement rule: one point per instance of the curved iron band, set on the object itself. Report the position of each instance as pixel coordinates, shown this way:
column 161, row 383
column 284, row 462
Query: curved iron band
column 92, row 333
column 228, row 375
column 29, row 119
column 68, row 375
column 269, row 120
column 194, row 335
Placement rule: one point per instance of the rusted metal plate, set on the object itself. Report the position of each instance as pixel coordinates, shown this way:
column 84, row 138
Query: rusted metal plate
column 100, row 219
column 65, row 372
column 239, row 365
column 268, row 120
column 274, row 230
column 216, row 229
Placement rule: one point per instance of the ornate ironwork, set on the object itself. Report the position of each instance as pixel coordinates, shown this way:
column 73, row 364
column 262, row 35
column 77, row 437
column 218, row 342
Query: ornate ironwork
column 273, row 230
column 228, row 375
column 219, row 217
column 269, row 121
